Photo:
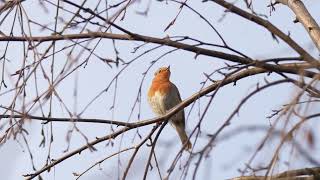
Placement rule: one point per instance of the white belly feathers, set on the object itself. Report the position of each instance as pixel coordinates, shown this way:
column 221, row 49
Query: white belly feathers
column 157, row 103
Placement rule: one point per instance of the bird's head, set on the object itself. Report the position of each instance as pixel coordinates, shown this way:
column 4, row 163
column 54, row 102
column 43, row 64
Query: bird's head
column 162, row 73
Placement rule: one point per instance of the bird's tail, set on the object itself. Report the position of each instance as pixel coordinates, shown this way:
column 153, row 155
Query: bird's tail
column 184, row 138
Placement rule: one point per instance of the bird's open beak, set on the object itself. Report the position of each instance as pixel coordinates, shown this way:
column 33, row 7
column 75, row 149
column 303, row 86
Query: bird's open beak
column 168, row 67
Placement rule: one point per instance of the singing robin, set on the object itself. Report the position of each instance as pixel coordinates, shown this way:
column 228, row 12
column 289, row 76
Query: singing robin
column 164, row 95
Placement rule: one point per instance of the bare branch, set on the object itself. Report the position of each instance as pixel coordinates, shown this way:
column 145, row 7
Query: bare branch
column 168, row 42
column 270, row 27
column 305, row 18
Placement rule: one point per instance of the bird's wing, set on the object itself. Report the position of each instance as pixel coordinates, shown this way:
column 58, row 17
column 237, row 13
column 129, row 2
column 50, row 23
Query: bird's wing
column 173, row 98
column 179, row 118
column 175, row 89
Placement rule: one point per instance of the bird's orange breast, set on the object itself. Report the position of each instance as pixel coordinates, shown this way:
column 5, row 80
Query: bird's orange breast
column 161, row 87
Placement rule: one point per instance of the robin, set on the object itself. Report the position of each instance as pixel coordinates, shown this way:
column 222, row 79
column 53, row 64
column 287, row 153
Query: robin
column 164, row 95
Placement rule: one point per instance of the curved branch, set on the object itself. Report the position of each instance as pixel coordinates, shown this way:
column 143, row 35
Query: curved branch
column 170, row 113
column 299, row 174
column 270, row 27
column 77, row 151
column 231, row 79
column 296, row 69
column 228, row 80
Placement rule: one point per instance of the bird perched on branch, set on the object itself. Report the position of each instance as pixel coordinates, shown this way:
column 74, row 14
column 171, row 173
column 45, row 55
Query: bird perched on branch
column 164, row 95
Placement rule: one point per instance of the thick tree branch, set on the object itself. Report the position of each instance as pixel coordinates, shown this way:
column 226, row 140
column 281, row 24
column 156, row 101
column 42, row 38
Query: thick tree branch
column 167, row 42
column 305, row 18
column 299, row 174
column 228, row 80
column 270, row 27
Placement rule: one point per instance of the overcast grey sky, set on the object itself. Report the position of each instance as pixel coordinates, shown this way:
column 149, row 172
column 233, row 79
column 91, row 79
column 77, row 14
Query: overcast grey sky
column 186, row 72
